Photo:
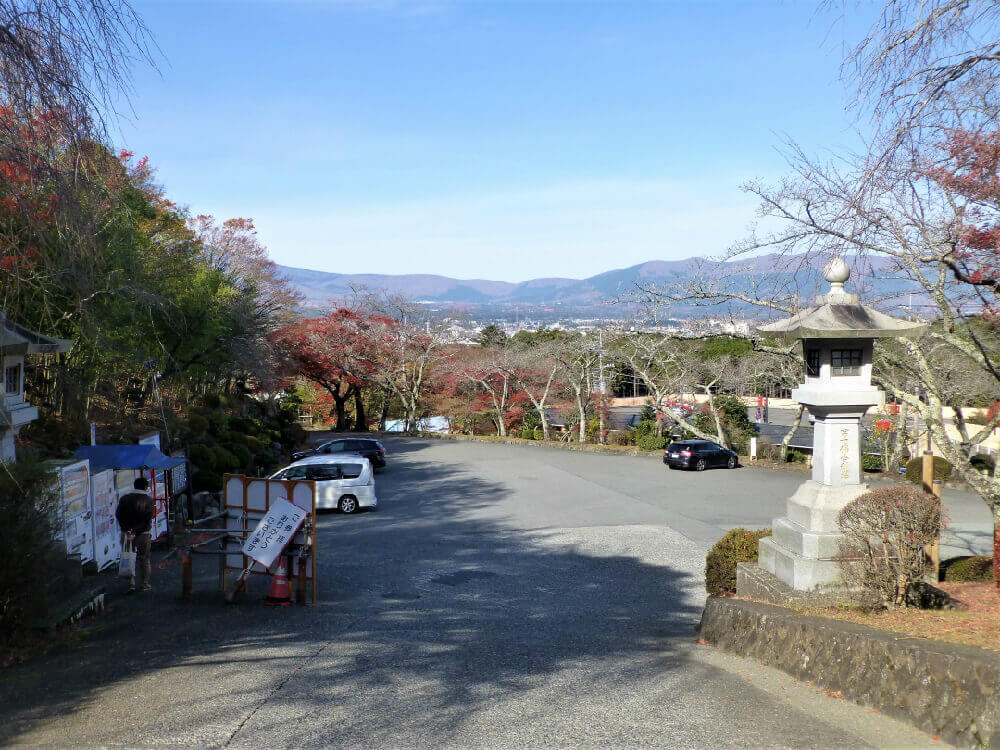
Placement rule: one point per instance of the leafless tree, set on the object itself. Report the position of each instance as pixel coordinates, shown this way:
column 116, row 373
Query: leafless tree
column 534, row 369
column 69, row 59
column 578, row 358
column 927, row 64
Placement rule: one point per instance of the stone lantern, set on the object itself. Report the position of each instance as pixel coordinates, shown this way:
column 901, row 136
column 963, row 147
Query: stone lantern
column 838, row 336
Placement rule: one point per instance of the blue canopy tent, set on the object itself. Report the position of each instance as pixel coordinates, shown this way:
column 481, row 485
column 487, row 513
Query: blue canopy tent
column 119, row 457
column 135, row 458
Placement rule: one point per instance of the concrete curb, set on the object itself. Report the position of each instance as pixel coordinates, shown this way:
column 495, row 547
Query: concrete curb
column 944, row 689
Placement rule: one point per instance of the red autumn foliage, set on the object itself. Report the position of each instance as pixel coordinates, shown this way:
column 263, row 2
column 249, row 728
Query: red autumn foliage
column 970, row 174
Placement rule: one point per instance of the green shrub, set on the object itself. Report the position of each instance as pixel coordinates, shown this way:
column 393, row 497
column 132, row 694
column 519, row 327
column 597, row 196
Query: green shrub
column 871, row 462
column 212, row 400
column 225, row 460
column 796, row 457
column 292, row 435
column 202, row 456
column 647, row 413
column 233, row 436
column 982, row 463
column 915, row 469
column 27, row 512
column 197, row 425
column 527, row 433
column 219, row 422
column 256, row 445
column 738, row 545
column 651, row 443
column 978, row 569
column 241, row 452
column 621, row 437
column 206, row 481
column 645, row 427
column 539, row 433
column 735, row 412
column 241, row 425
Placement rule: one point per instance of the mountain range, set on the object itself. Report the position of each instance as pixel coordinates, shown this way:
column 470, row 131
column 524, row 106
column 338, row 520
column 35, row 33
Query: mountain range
column 321, row 288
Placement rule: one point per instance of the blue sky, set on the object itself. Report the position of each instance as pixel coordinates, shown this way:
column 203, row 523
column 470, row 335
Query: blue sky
column 495, row 140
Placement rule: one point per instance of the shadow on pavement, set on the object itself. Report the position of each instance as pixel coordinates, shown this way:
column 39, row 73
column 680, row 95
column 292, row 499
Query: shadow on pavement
column 427, row 613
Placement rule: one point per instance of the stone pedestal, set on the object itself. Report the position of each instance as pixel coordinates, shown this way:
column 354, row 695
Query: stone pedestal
column 803, row 548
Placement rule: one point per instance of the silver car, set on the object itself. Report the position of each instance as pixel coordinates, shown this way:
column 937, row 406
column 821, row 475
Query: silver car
column 344, row 481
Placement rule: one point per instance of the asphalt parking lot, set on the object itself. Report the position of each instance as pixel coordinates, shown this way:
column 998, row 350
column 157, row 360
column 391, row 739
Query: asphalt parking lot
column 501, row 596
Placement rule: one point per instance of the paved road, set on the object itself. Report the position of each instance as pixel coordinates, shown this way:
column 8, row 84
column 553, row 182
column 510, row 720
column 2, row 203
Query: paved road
column 502, row 596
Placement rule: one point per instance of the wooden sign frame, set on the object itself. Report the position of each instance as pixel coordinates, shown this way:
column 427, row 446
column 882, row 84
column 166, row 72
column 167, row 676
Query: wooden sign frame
column 245, row 500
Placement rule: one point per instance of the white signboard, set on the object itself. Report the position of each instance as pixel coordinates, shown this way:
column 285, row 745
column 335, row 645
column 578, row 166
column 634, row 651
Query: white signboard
column 273, row 532
column 107, row 536
column 76, row 509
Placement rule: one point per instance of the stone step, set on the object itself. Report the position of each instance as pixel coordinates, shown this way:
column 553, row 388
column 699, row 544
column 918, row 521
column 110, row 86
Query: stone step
column 802, row 541
column 802, row 573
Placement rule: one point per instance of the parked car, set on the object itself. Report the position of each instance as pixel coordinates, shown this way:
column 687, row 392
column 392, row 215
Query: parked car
column 699, row 455
column 345, row 481
column 370, row 448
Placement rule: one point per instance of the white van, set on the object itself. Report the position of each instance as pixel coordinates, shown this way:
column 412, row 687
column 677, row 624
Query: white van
column 344, row 481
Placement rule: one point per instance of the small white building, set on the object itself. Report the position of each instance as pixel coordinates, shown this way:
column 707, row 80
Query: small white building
column 15, row 343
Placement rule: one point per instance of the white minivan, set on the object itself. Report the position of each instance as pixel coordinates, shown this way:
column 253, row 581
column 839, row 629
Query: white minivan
column 344, row 481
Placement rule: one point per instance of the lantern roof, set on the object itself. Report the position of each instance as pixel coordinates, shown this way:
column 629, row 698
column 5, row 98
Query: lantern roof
column 16, row 339
column 839, row 315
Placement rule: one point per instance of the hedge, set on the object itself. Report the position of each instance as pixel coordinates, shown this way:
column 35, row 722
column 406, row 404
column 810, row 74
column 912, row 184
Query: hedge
column 738, row 545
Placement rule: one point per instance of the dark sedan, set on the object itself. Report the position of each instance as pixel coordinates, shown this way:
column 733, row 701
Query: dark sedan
column 699, row 455
column 370, row 448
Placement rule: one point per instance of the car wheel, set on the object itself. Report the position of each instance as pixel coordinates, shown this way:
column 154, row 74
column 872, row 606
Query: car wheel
column 701, row 465
column 348, row 504
column 732, row 462
column 671, row 467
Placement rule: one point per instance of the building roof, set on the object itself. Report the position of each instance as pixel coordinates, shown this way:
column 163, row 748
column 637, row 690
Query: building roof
column 840, row 315
column 16, row 339
column 126, row 457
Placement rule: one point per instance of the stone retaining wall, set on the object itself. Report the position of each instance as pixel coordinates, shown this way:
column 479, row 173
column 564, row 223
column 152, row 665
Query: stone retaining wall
column 944, row 689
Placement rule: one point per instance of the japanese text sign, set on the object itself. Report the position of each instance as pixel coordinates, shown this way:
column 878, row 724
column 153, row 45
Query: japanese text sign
column 274, row 532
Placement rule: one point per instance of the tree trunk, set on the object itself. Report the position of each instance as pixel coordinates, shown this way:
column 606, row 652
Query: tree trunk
column 411, row 417
column 501, row 426
column 582, row 410
column 996, row 546
column 788, row 436
column 384, row 414
column 545, row 423
column 339, row 403
column 360, row 418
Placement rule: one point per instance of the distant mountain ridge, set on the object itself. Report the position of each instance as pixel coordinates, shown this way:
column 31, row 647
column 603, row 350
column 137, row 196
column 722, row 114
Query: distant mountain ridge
column 321, row 288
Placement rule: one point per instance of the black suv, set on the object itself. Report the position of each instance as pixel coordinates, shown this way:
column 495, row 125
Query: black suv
column 370, row 448
column 699, row 455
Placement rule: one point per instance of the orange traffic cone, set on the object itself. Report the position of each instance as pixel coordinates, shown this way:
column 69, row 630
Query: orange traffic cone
column 280, row 593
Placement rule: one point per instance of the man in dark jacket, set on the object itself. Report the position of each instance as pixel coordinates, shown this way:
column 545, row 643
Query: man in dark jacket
column 135, row 517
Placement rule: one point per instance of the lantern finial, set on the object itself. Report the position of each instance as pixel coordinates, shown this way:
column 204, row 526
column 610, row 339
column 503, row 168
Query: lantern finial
column 837, row 272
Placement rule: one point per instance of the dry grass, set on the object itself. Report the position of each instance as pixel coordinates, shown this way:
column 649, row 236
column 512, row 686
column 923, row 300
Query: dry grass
column 977, row 623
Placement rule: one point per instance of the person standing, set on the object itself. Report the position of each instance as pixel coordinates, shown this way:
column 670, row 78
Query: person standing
column 135, row 517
